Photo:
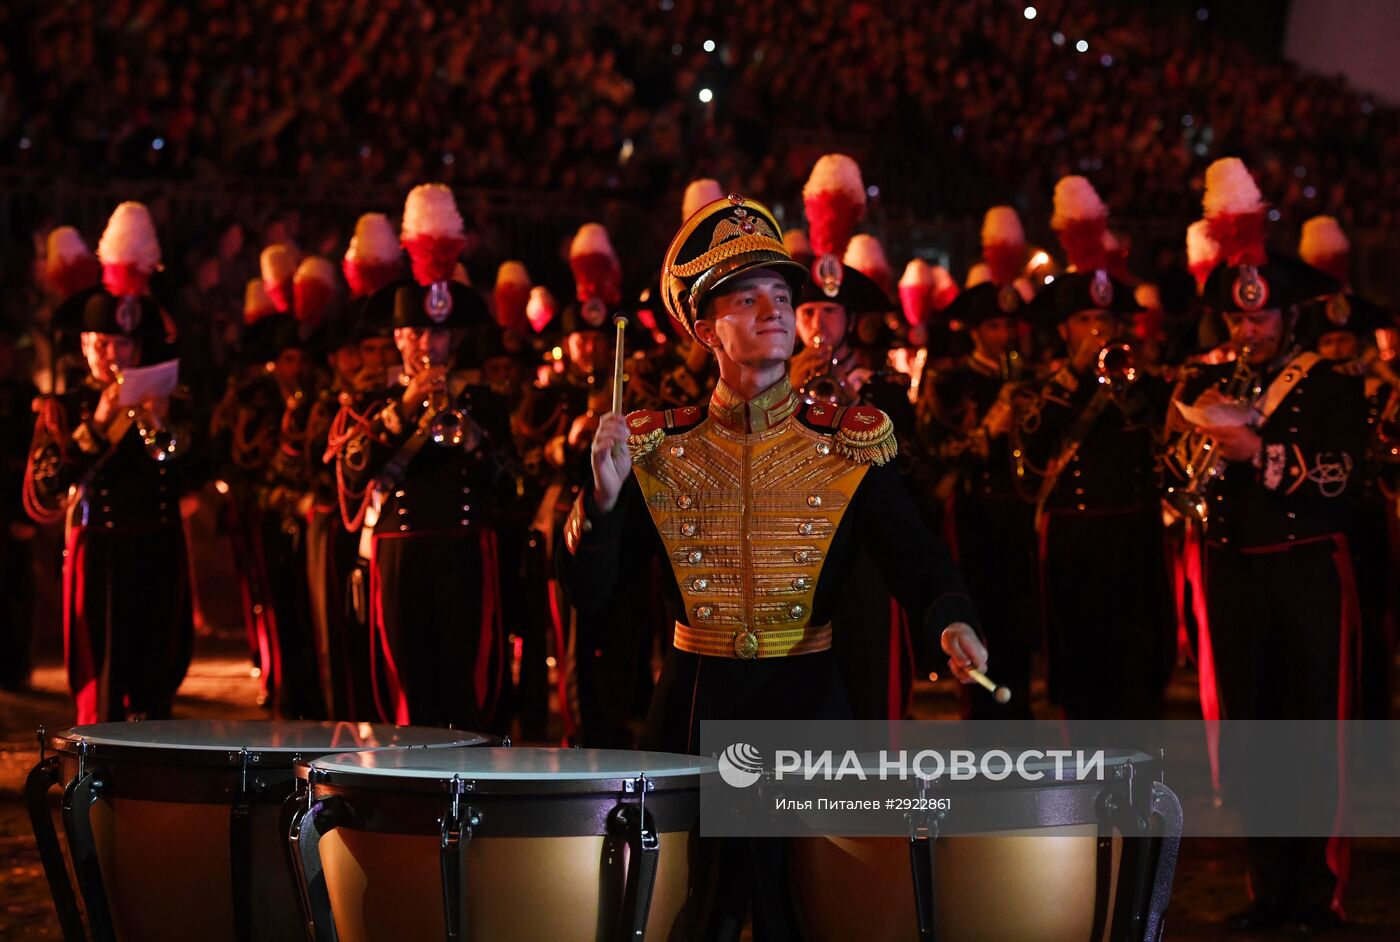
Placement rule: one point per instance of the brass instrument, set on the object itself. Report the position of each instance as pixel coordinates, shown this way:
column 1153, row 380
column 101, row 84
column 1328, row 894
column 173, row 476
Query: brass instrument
column 1204, row 463
column 161, row 443
column 447, row 425
column 822, row 384
column 1116, row 368
column 1386, row 444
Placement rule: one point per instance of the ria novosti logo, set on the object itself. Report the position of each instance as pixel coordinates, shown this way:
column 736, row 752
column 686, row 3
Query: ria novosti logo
column 741, row 765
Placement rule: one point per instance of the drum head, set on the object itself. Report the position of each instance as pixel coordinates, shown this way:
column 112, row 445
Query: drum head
column 517, row 770
column 213, row 740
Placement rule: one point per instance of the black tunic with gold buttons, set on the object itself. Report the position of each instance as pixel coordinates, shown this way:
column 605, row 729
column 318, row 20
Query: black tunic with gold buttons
column 127, row 614
column 759, row 507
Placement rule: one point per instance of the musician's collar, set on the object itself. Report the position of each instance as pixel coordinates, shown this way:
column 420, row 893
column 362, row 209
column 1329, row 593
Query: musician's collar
column 759, row 414
column 983, row 364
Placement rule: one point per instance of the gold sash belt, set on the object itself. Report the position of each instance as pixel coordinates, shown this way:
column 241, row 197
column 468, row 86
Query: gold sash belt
column 750, row 644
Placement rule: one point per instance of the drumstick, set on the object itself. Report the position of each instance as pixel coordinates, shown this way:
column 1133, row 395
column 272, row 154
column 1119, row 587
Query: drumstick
column 621, row 324
column 1001, row 695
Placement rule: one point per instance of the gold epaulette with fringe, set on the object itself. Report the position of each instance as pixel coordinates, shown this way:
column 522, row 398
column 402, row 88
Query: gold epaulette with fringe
column 648, row 428
column 866, row 435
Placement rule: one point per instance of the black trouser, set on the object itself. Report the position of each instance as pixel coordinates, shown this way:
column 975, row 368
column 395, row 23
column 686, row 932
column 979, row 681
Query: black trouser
column 1110, row 623
column 298, row 688
column 1277, row 635
column 342, row 641
column 737, row 875
column 996, row 553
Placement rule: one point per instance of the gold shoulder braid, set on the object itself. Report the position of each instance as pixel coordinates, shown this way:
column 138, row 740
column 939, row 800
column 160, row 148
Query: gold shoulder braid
column 639, row 446
column 866, row 435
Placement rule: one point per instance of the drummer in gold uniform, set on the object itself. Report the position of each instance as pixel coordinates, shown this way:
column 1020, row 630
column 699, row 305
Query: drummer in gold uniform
column 759, row 502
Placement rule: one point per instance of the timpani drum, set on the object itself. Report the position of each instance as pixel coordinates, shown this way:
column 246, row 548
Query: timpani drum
column 1058, row 860
column 563, row 845
column 175, row 828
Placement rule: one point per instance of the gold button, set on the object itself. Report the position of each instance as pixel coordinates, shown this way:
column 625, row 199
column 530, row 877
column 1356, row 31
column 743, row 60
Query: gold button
column 805, row 529
column 823, row 448
column 800, row 556
column 814, row 500
column 704, row 611
column 678, row 450
column 746, row 645
column 797, row 611
column 801, row 582
column 685, row 502
column 688, row 529
column 700, row 585
column 694, row 556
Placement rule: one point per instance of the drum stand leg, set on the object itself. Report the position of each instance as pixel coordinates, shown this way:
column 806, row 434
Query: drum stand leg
column 304, row 839
column 1166, row 812
column 643, row 857
column 456, row 833
column 78, row 798
column 240, row 856
column 42, row 778
column 923, row 832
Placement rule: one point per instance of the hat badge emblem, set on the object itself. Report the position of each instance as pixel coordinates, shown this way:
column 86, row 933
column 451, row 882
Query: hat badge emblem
column 438, row 304
column 736, row 200
column 1250, row 290
column 129, row 313
column 829, row 274
column 1101, row 289
column 1338, row 310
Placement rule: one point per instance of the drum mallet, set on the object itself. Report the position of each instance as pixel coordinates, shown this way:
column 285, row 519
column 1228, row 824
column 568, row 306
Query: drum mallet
column 1002, row 695
column 621, row 323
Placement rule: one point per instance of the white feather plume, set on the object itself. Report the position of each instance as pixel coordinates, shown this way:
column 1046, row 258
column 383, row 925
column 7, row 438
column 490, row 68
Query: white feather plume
column 315, row 268
column 836, row 173
column 591, row 239
column 865, row 254
column 1322, row 238
column 431, row 210
column 1002, row 225
column 1230, row 189
column 277, row 263
column 1076, row 199
column 917, row 272
column 130, row 239
column 1201, row 249
column 512, row 273
column 374, row 240
column 699, row 193
column 66, row 244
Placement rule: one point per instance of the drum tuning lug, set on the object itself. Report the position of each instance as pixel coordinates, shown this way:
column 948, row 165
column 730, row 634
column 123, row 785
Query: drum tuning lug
column 42, row 735
column 83, row 748
column 631, row 786
column 505, row 742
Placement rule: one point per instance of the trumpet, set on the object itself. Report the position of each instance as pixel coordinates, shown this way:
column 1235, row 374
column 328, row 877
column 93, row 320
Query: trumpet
column 1116, row 368
column 822, row 384
column 447, row 425
column 161, row 443
column 1204, row 463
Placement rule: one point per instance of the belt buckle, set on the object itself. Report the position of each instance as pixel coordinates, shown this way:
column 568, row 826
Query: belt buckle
column 746, row 645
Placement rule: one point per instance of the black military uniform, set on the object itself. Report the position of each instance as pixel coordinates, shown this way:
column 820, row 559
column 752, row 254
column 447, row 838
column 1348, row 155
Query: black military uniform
column 1088, row 454
column 871, row 636
column 128, row 619
column 280, row 532
column 434, row 594
column 759, row 506
column 993, row 526
column 1371, row 530
column 1281, row 595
